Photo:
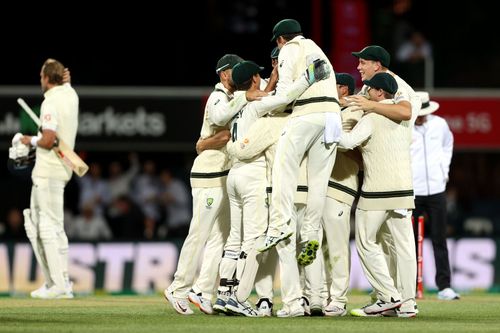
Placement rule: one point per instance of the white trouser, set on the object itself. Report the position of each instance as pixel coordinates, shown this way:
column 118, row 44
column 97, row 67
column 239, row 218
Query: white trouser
column 210, row 206
column 336, row 227
column 207, row 281
column 265, row 275
column 312, row 282
column 291, row 290
column 396, row 237
column 47, row 216
column 371, row 255
column 304, row 134
column 246, row 187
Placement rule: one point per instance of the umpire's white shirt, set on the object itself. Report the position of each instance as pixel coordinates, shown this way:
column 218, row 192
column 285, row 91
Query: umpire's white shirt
column 59, row 113
column 431, row 151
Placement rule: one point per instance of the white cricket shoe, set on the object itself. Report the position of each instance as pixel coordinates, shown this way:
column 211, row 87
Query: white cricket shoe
column 265, row 307
column 360, row 312
column 180, row 305
column 380, row 306
column 272, row 241
column 334, row 310
column 200, row 302
column 240, row 308
column 55, row 293
column 40, row 292
column 294, row 309
column 448, row 294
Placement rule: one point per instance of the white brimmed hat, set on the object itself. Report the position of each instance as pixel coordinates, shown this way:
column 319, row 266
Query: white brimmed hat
column 428, row 106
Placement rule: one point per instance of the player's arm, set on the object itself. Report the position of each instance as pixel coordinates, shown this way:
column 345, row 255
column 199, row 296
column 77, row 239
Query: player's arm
column 397, row 112
column 217, row 141
column 359, row 134
column 46, row 141
column 273, row 80
column 221, row 112
column 258, row 138
column 316, row 71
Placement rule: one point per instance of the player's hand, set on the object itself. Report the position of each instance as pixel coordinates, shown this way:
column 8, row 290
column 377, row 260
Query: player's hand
column 66, row 76
column 362, row 102
column 26, row 139
column 318, row 70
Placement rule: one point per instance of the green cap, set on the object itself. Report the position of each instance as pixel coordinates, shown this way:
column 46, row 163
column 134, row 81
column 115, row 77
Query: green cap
column 285, row 27
column 346, row 79
column 384, row 81
column 244, row 71
column 374, row 52
column 227, row 61
column 275, row 53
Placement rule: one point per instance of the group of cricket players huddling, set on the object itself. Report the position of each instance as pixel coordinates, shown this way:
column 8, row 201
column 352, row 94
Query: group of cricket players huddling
column 276, row 176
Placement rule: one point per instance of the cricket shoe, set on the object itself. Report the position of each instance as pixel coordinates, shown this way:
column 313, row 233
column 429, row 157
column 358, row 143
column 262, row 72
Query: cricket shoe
column 304, row 302
column 240, row 308
column 408, row 309
column 200, row 302
column 180, row 305
column 56, row 293
column 380, row 306
column 272, row 241
column 317, row 310
column 295, row 309
column 360, row 312
column 400, row 314
column 448, row 294
column 40, row 292
column 334, row 310
column 308, row 253
column 264, row 307
column 220, row 302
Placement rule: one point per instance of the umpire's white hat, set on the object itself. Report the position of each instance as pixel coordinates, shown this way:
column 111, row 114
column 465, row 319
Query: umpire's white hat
column 428, row 106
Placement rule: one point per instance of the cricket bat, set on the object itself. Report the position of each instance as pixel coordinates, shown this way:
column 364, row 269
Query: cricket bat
column 65, row 154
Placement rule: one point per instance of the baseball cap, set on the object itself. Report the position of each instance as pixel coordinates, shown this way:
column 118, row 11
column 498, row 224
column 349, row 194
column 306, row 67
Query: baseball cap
column 345, row 79
column 285, row 27
column 244, row 71
column 275, row 53
column 384, row 81
column 227, row 61
column 428, row 106
column 374, row 52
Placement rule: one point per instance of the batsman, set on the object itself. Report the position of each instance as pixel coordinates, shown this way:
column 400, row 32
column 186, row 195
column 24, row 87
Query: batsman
column 43, row 221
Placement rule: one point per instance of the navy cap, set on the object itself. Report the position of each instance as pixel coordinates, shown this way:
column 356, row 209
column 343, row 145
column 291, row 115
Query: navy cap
column 374, row 52
column 227, row 61
column 346, row 79
column 286, row 27
column 244, row 71
column 384, row 81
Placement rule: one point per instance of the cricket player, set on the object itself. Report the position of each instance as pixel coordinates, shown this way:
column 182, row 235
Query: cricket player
column 342, row 191
column 44, row 220
column 313, row 129
column 210, row 204
column 375, row 59
column 384, row 207
column 247, row 180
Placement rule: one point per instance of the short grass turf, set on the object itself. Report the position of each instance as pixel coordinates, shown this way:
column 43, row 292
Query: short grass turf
column 475, row 312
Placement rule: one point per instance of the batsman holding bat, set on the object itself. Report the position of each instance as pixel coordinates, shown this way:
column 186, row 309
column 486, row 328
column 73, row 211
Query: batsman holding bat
column 44, row 219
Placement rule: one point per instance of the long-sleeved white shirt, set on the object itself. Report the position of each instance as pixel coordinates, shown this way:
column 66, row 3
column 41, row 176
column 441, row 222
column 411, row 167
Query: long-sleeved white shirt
column 431, row 152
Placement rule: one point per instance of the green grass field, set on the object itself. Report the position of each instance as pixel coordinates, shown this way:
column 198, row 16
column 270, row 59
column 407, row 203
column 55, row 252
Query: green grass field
column 477, row 312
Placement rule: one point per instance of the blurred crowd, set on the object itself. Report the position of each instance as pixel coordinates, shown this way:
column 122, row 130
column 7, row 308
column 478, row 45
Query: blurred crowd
column 144, row 201
column 136, row 203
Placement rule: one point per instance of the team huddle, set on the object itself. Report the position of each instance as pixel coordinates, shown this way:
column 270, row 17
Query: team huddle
column 277, row 174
